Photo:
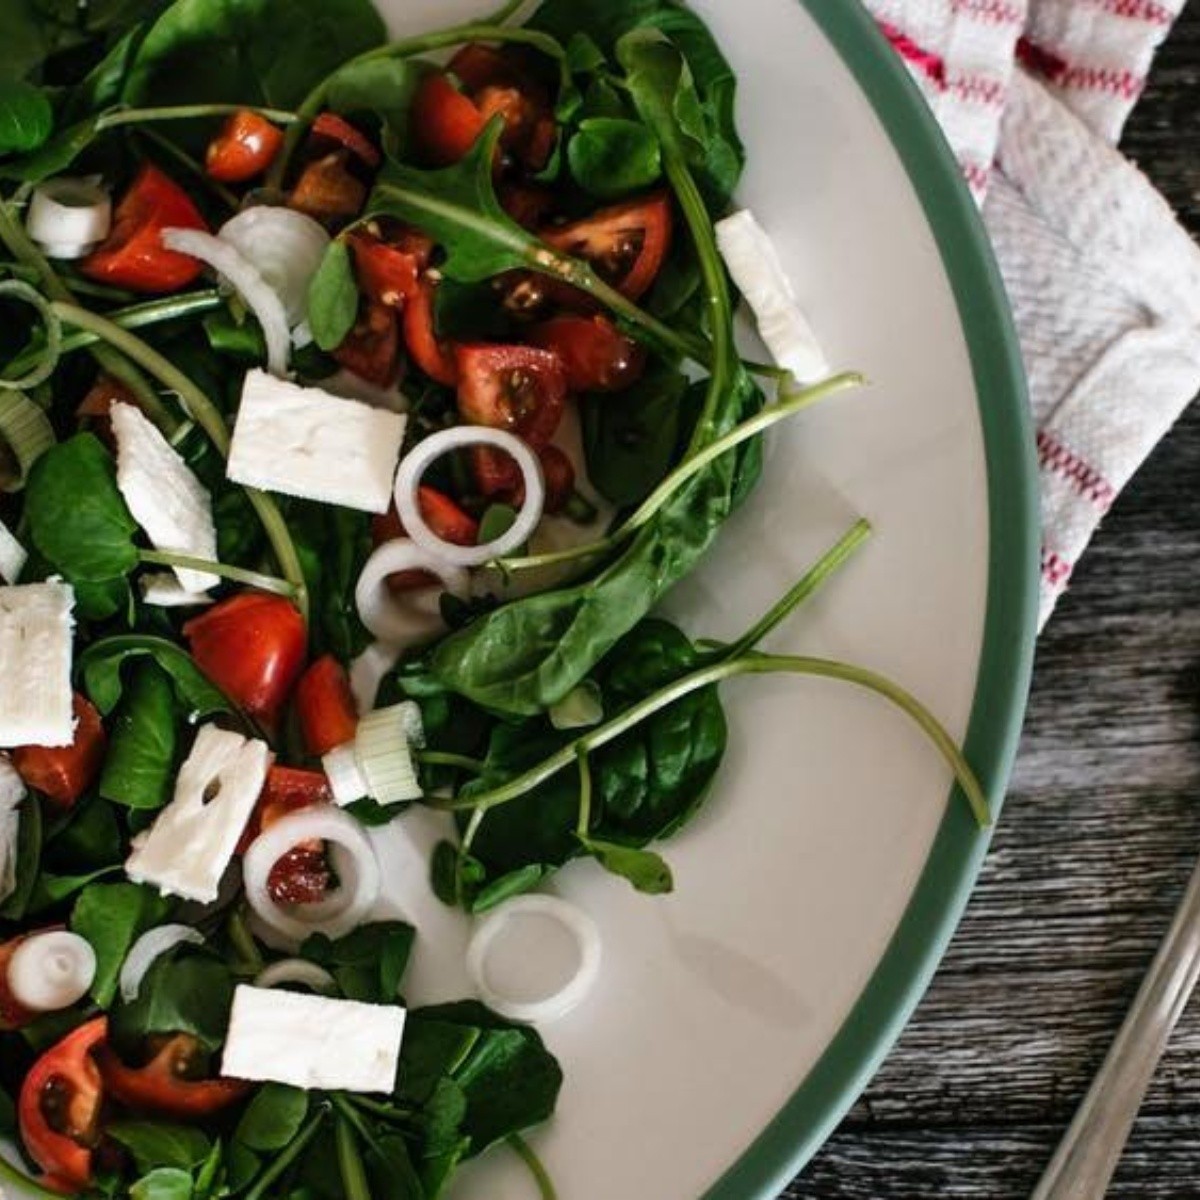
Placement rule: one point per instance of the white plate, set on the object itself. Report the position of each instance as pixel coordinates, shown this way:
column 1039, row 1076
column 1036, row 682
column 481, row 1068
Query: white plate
column 735, row 1021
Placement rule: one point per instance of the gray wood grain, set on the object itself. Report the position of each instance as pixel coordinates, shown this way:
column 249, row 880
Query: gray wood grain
column 1095, row 848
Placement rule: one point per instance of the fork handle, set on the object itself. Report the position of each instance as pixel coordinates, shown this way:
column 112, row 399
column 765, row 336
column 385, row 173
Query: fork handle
column 1088, row 1155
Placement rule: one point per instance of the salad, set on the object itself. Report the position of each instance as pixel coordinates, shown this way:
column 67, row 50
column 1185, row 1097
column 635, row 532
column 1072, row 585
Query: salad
column 359, row 401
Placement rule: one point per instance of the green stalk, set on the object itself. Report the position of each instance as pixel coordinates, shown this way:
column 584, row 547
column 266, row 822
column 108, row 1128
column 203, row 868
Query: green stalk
column 440, row 758
column 584, row 824
column 181, row 157
column 25, row 1185
column 350, row 1163
column 540, row 1176
column 188, row 112
column 243, row 942
column 464, row 849
column 285, row 1158
column 753, row 664
column 385, row 1112
column 187, row 562
column 686, row 470
column 208, row 417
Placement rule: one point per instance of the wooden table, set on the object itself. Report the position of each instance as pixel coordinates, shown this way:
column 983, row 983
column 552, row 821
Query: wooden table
column 1093, row 852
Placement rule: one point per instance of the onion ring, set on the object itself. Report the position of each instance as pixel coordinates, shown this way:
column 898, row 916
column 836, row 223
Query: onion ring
column 151, row 946
column 397, row 621
column 299, row 971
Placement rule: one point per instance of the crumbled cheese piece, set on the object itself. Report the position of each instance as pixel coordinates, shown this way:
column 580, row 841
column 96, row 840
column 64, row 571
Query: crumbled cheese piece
column 305, row 442
column 35, row 650
column 163, row 590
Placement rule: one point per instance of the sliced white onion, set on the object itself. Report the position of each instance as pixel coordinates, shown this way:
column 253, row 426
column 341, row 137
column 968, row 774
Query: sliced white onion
column 346, row 779
column 353, row 859
column 284, row 246
column 51, row 971
column 300, row 972
column 505, row 923
column 12, row 792
column 367, row 672
column 412, row 470
column 69, row 217
column 162, row 589
column 402, row 620
column 147, row 950
column 247, row 281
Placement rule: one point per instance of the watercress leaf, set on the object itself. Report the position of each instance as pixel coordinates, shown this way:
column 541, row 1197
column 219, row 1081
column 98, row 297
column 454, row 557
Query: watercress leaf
column 333, row 297
column 443, row 866
column 515, row 883
column 432, row 1048
column 56, row 155
column 661, row 87
column 97, row 600
column 112, row 916
column 100, row 669
column 181, row 993
column 143, row 741
column 26, row 117
column 647, row 871
column 611, row 157
column 602, row 21
column 77, row 518
column 89, row 837
column 51, row 890
column 161, row 1144
column 368, row 962
column 269, row 52
column 583, row 55
column 207, row 1175
column 164, row 1183
column 273, row 1118
column 391, row 1173
column 29, row 852
column 457, row 207
column 241, row 1167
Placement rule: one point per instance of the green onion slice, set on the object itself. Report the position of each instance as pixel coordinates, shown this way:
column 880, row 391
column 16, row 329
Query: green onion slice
column 16, row 289
column 25, row 435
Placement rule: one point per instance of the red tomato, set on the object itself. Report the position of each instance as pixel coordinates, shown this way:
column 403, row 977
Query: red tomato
column 302, row 875
column 595, row 354
column 325, row 706
column 133, row 256
column 625, row 244
column 387, row 274
column 518, row 388
column 371, row 350
column 337, row 129
column 286, row 790
column 64, row 773
column 499, row 478
column 59, row 1108
column 13, row 1014
column 252, row 647
column 327, row 191
column 478, row 66
column 529, row 205
column 443, row 516
column 445, row 123
column 433, row 356
column 245, row 147
column 171, row 1083
column 559, row 473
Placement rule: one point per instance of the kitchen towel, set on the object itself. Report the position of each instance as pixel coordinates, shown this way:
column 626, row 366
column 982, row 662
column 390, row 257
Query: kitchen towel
column 1104, row 283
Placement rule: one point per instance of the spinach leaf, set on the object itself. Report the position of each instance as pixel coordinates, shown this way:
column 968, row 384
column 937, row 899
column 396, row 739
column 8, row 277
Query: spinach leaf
column 159, row 1144
column 367, row 963
column 391, row 1173
column 270, row 52
column 89, row 838
column 100, row 671
column 182, row 992
column 77, row 519
column 112, row 916
column 432, row 1049
column 611, row 157
column 51, row 890
column 164, row 1183
column 143, row 742
column 26, row 117
column 383, row 86
column 333, row 297
column 273, row 1118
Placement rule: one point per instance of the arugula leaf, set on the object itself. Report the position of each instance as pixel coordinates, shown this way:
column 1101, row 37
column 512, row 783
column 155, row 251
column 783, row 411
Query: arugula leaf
column 160, row 1144
column 273, row 1118
column 100, row 671
column 265, row 52
column 183, row 992
column 333, row 297
column 164, row 1183
column 611, row 157
column 77, row 518
column 143, row 742
column 26, row 117
column 112, row 916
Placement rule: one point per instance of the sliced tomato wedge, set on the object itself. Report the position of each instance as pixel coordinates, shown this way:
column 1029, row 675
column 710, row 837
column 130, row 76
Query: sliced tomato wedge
column 58, row 1111
column 245, row 148
column 325, row 706
column 386, row 273
column 499, row 478
column 133, row 256
column 330, row 127
column 596, row 355
column 252, row 647
column 172, row 1083
column 433, row 356
column 559, row 473
column 625, row 244
column 64, row 773
column 371, row 350
column 443, row 516
column 287, row 790
column 328, row 191
column 518, row 388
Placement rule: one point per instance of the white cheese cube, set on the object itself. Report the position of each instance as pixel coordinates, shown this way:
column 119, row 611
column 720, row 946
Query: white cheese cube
column 163, row 590
column 12, row 556
column 12, row 792
column 192, row 841
column 163, row 494
column 758, row 272
column 313, row 1041
column 35, row 656
column 305, row 442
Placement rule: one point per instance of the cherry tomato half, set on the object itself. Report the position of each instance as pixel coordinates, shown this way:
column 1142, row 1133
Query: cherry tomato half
column 597, row 357
column 133, row 256
column 59, row 1108
column 559, row 473
column 427, row 351
column 302, row 875
column 252, row 647
column 329, row 126
column 386, row 273
column 327, row 191
column 499, row 478
column 371, row 350
column 325, row 706
column 64, row 773
column 172, row 1083
column 445, row 121
column 625, row 244
column 443, row 516
column 245, row 147
column 518, row 388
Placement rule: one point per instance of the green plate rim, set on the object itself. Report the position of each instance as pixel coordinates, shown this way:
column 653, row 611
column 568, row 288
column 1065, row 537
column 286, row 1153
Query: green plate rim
column 1006, row 659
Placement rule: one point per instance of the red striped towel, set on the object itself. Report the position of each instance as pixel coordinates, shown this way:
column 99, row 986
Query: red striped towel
column 1105, row 286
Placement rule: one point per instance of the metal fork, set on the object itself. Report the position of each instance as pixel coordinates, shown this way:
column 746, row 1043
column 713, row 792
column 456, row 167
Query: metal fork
column 1087, row 1156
